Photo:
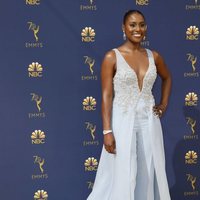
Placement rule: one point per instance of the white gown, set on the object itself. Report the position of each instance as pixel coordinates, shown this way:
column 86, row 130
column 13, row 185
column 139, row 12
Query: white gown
column 137, row 171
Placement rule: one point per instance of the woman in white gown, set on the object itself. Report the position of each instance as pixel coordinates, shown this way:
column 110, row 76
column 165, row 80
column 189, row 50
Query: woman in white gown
column 132, row 163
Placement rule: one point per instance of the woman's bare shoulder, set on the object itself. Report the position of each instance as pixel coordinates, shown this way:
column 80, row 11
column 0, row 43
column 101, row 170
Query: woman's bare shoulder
column 110, row 56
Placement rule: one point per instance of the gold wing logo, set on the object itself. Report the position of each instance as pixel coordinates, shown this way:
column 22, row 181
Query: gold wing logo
column 192, row 124
column 191, row 96
column 37, row 99
column 38, row 134
column 35, row 67
column 91, row 128
column 90, row 63
column 88, row 32
column 192, row 180
column 89, row 101
column 41, row 195
column 91, row 162
column 193, row 61
column 35, row 30
column 192, row 30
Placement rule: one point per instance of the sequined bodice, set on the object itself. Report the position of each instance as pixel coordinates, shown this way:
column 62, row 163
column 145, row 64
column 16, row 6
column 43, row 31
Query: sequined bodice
column 126, row 89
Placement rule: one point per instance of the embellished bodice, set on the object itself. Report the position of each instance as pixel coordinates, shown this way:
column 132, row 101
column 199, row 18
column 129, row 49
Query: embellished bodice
column 126, row 89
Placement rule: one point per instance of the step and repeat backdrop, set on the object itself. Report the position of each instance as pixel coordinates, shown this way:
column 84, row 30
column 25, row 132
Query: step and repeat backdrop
column 50, row 119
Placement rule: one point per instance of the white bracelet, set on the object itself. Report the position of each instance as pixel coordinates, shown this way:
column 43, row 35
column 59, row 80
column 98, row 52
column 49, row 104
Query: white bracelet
column 107, row 131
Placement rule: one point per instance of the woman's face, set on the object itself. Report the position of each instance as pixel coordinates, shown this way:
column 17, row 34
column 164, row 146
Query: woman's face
column 135, row 28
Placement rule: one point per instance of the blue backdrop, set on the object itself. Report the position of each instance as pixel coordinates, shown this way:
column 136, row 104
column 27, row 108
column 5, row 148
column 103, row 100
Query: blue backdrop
column 51, row 132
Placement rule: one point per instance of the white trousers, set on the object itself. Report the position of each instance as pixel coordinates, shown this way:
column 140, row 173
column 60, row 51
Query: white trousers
column 146, row 186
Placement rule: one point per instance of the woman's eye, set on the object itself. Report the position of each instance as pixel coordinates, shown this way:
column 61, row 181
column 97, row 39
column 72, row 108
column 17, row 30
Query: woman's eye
column 133, row 25
column 143, row 25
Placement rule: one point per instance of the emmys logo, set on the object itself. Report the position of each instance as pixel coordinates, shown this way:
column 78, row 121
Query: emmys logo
column 145, row 43
column 91, row 164
column 88, row 34
column 33, row 2
column 91, row 128
column 191, row 99
column 192, row 33
column 38, row 137
column 40, row 195
column 193, row 60
column 142, row 2
column 90, row 63
column 90, row 185
column 90, row 6
column 89, row 104
column 38, row 100
column 194, row 6
column 192, row 124
column 35, row 70
column 192, row 180
column 191, row 157
column 40, row 162
column 35, row 29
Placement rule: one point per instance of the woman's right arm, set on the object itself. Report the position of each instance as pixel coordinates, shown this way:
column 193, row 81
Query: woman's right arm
column 107, row 74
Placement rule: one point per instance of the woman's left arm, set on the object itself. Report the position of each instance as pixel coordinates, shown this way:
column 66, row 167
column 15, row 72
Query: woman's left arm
column 165, row 75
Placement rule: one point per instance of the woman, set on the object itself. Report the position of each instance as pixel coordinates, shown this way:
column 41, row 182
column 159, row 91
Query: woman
column 132, row 164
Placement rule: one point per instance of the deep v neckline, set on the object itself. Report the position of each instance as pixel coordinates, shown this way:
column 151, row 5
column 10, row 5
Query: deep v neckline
column 132, row 69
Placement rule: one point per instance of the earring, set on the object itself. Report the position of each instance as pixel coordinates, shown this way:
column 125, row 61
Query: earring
column 144, row 38
column 124, row 35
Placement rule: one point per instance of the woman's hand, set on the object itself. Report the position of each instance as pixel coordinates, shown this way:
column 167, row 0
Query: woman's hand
column 159, row 110
column 109, row 143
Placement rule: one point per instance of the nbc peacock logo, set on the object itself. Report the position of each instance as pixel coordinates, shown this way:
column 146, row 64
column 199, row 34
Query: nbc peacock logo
column 192, row 33
column 33, row 2
column 191, row 99
column 41, row 195
column 191, row 157
column 142, row 2
column 88, row 34
column 35, row 70
column 91, row 164
column 38, row 137
column 89, row 104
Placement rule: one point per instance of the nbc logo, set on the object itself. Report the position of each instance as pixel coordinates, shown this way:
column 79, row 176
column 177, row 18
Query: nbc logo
column 35, row 70
column 89, row 104
column 38, row 137
column 191, row 157
column 192, row 33
column 88, row 34
column 33, row 2
column 91, row 164
column 191, row 99
column 142, row 2
column 40, row 195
